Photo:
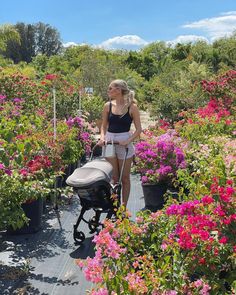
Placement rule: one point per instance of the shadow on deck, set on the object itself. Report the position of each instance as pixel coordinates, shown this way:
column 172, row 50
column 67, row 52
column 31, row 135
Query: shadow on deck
column 44, row 262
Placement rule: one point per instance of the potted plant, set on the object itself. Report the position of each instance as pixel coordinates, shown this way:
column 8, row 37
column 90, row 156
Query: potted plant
column 21, row 202
column 157, row 160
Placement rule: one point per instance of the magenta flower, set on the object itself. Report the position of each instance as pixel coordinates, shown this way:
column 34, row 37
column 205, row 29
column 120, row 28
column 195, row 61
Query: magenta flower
column 160, row 160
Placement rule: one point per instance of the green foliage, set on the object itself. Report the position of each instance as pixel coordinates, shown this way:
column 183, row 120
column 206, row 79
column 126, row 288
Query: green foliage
column 176, row 90
column 8, row 33
column 92, row 107
column 73, row 150
column 15, row 190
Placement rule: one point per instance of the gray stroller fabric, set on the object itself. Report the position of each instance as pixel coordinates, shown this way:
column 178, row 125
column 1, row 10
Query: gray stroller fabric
column 90, row 173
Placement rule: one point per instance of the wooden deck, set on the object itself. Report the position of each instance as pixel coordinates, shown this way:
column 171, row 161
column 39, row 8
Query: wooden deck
column 44, row 262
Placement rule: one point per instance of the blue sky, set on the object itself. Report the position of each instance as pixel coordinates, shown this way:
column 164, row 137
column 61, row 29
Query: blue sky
column 128, row 24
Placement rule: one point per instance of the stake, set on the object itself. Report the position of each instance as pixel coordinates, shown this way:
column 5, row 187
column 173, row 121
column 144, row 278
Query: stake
column 54, row 137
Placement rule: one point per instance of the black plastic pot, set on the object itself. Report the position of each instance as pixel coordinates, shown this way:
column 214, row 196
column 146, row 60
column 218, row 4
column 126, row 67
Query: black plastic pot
column 34, row 211
column 154, row 196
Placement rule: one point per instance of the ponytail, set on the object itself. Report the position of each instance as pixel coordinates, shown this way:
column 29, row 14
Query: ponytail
column 130, row 97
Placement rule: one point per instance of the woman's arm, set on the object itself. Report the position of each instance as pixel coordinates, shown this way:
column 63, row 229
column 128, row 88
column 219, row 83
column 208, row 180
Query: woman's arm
column 104, row 125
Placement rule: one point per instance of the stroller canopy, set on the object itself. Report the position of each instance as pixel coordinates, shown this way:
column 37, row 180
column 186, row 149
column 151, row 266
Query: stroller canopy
column 90, row 173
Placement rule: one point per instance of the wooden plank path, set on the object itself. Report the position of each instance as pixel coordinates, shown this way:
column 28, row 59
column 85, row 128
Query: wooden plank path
column 44, row 262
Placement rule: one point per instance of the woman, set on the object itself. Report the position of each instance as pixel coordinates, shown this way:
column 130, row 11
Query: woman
column 117, row 116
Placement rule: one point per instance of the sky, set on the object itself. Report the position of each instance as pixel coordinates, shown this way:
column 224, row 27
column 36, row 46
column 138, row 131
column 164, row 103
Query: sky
column 126, row 24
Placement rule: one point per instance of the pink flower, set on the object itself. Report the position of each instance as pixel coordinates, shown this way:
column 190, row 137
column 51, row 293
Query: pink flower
column 51, row 77
column 207, row 200
column 223, row 240
column 24, row 172
column 101, row 291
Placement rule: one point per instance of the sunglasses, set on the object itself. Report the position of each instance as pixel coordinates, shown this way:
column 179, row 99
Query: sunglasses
column 111, row 88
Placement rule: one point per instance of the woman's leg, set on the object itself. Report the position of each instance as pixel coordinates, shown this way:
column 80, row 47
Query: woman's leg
column 115, row 170
column 125, row 179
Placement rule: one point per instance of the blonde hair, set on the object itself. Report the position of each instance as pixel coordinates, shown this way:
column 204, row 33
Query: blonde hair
column 126, row 92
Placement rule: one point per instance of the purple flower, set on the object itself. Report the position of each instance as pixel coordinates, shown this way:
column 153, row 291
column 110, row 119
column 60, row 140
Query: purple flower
column 17, row 100
column 76, row 122
column 144, row 179
column 159, row 160
column 2, row 98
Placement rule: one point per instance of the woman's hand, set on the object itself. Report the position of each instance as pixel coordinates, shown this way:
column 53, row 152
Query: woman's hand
column 101, row 142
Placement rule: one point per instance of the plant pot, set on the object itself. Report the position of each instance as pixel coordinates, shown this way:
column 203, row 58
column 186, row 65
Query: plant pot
column 154, row 196
column 34, row 211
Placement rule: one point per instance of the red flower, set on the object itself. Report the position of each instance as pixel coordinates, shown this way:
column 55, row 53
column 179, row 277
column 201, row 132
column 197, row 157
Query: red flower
column 51, row 77
column 223, row 240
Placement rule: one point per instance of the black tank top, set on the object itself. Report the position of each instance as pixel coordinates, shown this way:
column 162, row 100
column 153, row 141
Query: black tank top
column 119, row 123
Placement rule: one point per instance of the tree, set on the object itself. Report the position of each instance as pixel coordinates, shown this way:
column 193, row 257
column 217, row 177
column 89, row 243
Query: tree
column 144, row 64
column 226, row 48
column 34, row 39
column 181, row 51
column 25, row 49
column 7, row 33
column 47, row 39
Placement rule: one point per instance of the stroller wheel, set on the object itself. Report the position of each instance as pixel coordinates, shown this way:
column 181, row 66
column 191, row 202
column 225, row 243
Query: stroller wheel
column 79, row 237
column 93, row 224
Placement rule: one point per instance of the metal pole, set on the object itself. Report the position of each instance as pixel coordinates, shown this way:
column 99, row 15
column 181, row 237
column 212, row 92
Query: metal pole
column 80, row 103
column 54, row 114
column 54, row 137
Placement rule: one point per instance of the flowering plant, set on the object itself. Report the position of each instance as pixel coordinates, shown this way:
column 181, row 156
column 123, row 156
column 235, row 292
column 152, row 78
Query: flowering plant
column 18, row 187
column 187, row 249
column 158, row 159
column 84, row 131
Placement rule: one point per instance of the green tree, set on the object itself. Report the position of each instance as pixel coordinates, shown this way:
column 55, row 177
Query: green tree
column 226, row 49
column 35, row 39
column 25, row 49
column 47, row 39
column 181, row 51
column 7, row 33
column 144, row 64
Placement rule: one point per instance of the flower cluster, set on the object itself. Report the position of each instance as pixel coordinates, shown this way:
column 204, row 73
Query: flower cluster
column 213, row 108
column 158, row 160
column 84, row 132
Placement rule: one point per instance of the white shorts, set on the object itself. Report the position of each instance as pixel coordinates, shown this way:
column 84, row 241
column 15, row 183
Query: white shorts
column 120, row 150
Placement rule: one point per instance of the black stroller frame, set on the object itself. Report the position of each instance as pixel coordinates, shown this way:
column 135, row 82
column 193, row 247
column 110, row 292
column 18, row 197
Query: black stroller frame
column 95, row 195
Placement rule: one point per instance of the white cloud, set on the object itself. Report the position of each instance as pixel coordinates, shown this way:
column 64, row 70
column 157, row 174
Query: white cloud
column 187, row 39
column 68, row 44
column 123, row 42
column 216, row 27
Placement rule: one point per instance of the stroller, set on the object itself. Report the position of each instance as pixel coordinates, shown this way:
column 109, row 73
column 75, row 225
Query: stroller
column 91, row 183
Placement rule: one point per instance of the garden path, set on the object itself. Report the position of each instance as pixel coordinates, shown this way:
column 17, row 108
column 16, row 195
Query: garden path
column 44, row 262
column 146, row 120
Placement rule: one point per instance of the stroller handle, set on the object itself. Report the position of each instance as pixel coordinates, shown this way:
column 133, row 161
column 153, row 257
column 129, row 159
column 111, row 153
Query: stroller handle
column 111, row 142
